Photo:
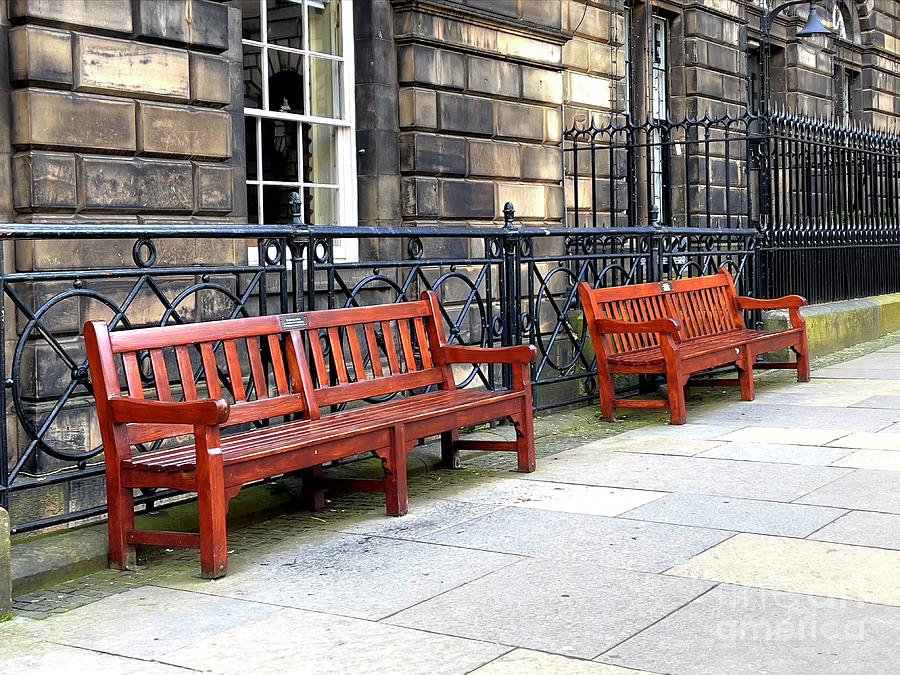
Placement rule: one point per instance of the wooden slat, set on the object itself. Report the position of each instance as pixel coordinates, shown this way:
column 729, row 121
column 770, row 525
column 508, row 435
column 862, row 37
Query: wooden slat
column 133, row 375
column 160, row 375
column 374, row 352
column 257, row 370
column 315, row 346
column 378, row 387
column 390, row 347
column 337, row 355
column 233, row 361
column 409, row 355
column 424, row 345
column 359, row 368
column 281, row 382
column 210, row 370
column 186, row 372
column 208, row 331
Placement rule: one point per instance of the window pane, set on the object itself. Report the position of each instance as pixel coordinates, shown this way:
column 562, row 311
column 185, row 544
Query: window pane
column 285, row 23
column 276, row 203
column 326, row 87
column 279, row 150
column 252, row 204
column 250, row 144
column 325, row 26
column 250, row 20
column 320, row 206
column 285, row 82
column 253, row 84
column 320, row 158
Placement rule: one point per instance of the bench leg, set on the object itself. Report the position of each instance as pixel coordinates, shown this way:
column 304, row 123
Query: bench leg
column 607, row 396
column 745, row 366
column 449, row 453
column 802, row 352
column 396, row 489
column 677, row 404
column 525, row 451
column 212, row 506
column 313, row 497
column 121, row 519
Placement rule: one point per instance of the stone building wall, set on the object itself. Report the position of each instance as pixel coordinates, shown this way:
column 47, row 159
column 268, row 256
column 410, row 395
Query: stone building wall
column 123, row 109
column 480, row 96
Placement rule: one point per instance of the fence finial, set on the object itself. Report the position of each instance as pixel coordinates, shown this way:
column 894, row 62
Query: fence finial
column 509, row 214
column 296, row 206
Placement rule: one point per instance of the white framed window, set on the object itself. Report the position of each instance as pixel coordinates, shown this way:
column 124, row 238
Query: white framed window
column 659, row 111
column 299, row 112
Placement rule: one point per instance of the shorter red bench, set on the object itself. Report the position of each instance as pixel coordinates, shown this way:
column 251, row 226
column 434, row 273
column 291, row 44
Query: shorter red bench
column 680, row 328
column 290, row 411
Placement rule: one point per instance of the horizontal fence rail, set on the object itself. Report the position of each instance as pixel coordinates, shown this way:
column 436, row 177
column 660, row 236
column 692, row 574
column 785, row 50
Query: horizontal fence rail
column 497, row 285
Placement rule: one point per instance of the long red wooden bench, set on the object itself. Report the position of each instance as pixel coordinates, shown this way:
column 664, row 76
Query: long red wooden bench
column 306, row 377
column 680, row 328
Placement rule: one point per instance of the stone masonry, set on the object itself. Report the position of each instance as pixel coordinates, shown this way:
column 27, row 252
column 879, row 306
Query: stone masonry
column 122, row 109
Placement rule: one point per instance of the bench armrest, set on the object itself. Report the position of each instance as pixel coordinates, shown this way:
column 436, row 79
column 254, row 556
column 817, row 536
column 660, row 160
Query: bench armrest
column 140, row 411
column 653, row 326
column 787, row 302
column 522, row 354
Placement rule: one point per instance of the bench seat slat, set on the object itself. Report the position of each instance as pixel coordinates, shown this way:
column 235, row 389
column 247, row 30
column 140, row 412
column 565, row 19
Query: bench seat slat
column 287, row 437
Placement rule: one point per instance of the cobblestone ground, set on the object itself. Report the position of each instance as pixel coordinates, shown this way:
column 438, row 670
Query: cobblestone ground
column 759, row 537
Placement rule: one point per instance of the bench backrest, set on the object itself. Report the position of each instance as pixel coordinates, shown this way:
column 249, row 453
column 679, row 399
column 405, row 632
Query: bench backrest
column 271, row 366
column 253, row 363
column 702, row 305
column 369, row 352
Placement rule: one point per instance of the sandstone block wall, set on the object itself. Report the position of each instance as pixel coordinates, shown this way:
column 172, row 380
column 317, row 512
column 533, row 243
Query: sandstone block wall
column 124, row 109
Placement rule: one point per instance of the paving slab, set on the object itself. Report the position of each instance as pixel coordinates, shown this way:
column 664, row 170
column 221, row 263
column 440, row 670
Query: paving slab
column 37, row 657
column 147, row 622
column 425, row 516
column 799, row 416
column 680, row 431
column 356, row 576
column 863, row 528
column 615, row 542
column 296, row 641
column 785, row 435
column 750, row 630
column 551, row 496
column 862, row 489
column 530, row 662
column 699, row 475
column 870, row 441
column 653, row 444
column 800, row 566
column 739, row 515
column 778, row 453
column 879, row 402
column 564, row 608
column 882, row 460
column 816, row 393
column 858, row 373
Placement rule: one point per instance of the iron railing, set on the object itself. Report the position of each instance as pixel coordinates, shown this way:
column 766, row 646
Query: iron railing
column 498, row 286
column 824, row 197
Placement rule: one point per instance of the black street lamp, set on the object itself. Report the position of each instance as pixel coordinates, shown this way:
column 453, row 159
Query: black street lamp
column 814, row 26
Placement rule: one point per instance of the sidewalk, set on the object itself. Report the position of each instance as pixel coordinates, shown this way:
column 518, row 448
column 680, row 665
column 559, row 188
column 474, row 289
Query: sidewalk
column 759, row 537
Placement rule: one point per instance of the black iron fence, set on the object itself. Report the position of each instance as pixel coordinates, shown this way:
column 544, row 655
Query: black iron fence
column 789, row 205
column 824, row 197
column 498, row 286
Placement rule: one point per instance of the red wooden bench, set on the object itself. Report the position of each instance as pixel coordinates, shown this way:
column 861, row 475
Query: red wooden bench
column 682, row 327
column 207, row 377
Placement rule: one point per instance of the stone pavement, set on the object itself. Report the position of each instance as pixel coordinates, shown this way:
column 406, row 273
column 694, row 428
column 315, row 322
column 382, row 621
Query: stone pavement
column 760, row 537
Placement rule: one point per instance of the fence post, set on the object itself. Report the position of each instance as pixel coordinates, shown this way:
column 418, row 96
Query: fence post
column 655, row 259
column 303, row 258
column 510, row 297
